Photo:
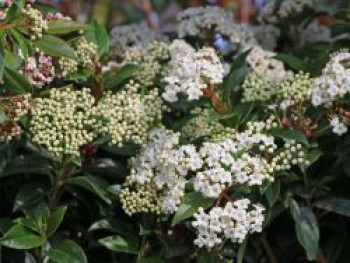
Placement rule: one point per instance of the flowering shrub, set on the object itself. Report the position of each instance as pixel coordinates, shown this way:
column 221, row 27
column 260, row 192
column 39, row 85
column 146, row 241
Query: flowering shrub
column 226, row 143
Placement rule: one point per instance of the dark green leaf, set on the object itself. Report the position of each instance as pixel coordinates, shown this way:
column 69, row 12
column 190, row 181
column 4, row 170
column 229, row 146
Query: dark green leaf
column 97, row 33
column 273, row 192
column 126, row 150
column 2, row 64
column 243, row 111
column 19, row 237
column 29, row 195
column 120, row 244
column 16, row 83
column 63, row 26
column 241, row 251
column 289, row 135
column 115, row 225
column 92, row 184
column 124, row 73
column 25, row 164
column 55, row 47
column 55, row 220
column 292, row 61
column 335, row 204
column 306, row 228
column 67, row 252
column 189, row 205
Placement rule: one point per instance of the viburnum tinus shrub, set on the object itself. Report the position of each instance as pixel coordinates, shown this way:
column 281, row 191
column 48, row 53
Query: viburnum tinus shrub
column 227, row 143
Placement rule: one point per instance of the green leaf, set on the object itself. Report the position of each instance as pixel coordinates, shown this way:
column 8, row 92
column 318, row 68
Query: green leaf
column 243, row 111
column 93, row 184
column 26, row 164
column 120, row 244
column 292, row 61
column 126, row 150
column 3, row 117
column 189, row 205
column 55, row 220
column 115, row 225
column 273, row 192
column 152, row 259
column 337, row 205
column 97, row 33
column 29, row 195
column 288, row 135
column 19, row 237
column 306, row 228
column 124, row 73
column 16, row 83
column 63, row 26
column 55, row 47
column 67, row 252
column 12, row 61
column 339, row 28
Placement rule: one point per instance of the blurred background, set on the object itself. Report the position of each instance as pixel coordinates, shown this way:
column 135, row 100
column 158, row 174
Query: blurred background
column 160, row 14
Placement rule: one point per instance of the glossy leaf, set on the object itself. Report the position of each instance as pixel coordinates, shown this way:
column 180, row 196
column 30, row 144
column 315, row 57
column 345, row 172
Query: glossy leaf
column 16, row 82
column 67, row 252
column 336, row 205
column 289, row 135
column 92, row 184
column 97, row 33
column 120, row 244
column 273, row 192
column 124, row 73
column 56, row 47
column 189, row 205
column 306, row 228
column 55, row 220
column 62, row 26
column 19, row 237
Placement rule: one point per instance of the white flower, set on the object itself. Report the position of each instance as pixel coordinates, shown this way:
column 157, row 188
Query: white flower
column 338, row 127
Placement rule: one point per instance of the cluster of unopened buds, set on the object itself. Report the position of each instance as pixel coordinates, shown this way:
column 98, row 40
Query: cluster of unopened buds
column 14, row 108
column 36, row 23
column 86, row 52
column 39, row 70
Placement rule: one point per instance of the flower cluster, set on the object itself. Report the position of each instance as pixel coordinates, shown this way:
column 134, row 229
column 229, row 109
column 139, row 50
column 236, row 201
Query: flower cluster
column 157, row 180
column 67, row 66
column 206, row 22
column 13, row 109
column 62, row 122
column 262, row 63
column 86, row 52
column 275, row 9
column 334, row 83
column 127, row 116
column 191, row 71
column 56, row 16
column 35, row 22
column 125, row 37
column 39, row 70
column 233, row 221
column 151, row 60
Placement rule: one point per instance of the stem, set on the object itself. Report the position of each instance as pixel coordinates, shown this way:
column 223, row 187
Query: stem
column 268, row 250
column 143, row 248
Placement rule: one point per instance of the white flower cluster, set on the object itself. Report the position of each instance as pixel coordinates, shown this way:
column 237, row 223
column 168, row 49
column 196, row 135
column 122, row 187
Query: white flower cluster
column 276, row 9
column 150, row 59
column 233, row 161
column 157, row 180
column 234, row 222
column 334, row 83
column 14, row 108
column 125, row 37
column 338, row 127
column 39, row 70
column 262, row 63
column 62, row 122
column 191, row 71
column 127, row 116
column 35, row 22
column 206, row 21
